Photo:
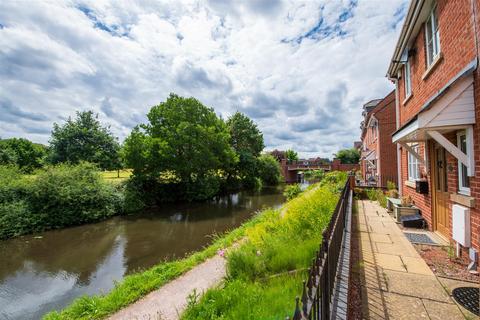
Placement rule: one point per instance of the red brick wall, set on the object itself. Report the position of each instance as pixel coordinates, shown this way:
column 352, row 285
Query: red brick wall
column 387, row 151
column 457, row 49
column 457, row 43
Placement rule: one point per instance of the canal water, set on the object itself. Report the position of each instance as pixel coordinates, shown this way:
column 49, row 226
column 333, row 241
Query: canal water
column 47, row 271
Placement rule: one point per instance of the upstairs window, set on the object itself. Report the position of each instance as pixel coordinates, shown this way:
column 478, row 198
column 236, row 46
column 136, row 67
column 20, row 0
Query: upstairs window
column 413, row 165
column 408, row 80
column 432, row 37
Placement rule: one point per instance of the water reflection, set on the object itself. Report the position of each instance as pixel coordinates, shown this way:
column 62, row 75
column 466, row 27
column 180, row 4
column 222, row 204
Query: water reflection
column 47, row 271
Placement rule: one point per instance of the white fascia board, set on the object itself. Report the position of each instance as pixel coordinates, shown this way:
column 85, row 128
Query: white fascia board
column 405, row 131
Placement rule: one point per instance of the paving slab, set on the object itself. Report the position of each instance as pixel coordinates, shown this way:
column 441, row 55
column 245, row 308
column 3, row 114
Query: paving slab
column 390, row 262
column 437, row 310
column 404, row 307
column 417, row 265
column 384, row 238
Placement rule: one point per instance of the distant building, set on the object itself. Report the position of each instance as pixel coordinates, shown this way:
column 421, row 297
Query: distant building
column 378, row 162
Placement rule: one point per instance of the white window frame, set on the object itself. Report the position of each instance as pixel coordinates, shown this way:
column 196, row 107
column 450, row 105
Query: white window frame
column 413, row 165
column 432, row 25
column 460, row 166
column 408, row 80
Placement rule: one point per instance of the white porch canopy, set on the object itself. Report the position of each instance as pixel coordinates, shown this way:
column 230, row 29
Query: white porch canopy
column 451, row 109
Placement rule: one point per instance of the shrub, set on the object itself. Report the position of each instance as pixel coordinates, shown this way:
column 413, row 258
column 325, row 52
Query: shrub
column 58, row 196
column 67, row 195
column 292, row 191
column 372, row 194
column 268, row 170
column 381, row 198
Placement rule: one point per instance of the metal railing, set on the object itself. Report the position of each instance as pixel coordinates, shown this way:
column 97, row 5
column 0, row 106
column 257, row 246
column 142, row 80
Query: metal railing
column 318, row 288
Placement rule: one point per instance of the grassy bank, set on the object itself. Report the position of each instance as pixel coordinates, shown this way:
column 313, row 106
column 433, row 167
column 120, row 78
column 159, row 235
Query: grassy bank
column 256, row 285
column 265, row 272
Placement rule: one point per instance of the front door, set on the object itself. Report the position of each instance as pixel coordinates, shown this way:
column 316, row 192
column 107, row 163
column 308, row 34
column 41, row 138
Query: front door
column 440, row 188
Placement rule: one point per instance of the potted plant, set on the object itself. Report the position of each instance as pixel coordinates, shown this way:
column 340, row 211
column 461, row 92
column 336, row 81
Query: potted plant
column 405, row 208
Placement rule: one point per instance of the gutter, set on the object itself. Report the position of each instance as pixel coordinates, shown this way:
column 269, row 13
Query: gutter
column 414, row 10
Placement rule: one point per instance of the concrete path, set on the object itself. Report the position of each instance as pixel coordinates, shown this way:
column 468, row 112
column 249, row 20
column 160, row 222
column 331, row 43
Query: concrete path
column 168, row 302
column 396, row 281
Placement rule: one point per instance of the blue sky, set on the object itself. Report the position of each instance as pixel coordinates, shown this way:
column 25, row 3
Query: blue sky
column 300, row 69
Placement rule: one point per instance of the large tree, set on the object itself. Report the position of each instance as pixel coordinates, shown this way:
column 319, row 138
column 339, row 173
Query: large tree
column 84, row 139
column 183, row 140
column 23, row 153
column 351, row 155
column 247, row 141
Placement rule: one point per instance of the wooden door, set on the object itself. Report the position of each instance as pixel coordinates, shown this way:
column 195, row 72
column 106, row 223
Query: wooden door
column 440, row 191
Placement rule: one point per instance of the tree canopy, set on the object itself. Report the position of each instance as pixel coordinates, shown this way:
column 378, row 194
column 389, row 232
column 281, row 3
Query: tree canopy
column 351, row 155
column 183, row 140
column 84, row 139
column 291, row 155
column 23, row 153
column 247, row 141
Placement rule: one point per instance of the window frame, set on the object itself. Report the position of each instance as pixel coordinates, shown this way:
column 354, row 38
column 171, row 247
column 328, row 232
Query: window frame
column 460, row 166
column 413, row 162
column 408, row 79
column 431, row 25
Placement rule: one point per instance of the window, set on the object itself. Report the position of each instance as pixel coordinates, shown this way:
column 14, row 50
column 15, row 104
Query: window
column 463, row 179
column 413, row 165
column 432, row 37
column 408, row 81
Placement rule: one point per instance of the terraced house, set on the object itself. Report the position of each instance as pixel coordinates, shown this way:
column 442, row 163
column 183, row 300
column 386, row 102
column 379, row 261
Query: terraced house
column 435, row 70
column 378, row 162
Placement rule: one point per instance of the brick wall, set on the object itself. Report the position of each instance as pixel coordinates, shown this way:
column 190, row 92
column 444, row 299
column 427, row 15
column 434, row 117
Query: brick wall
column 457, row 42
column 387, row 151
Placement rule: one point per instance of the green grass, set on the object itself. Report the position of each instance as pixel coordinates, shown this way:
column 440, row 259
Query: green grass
column 249, row 300
column 113, row 175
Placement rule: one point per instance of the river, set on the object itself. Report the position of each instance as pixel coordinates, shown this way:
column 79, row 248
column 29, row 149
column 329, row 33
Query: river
column 47, row 271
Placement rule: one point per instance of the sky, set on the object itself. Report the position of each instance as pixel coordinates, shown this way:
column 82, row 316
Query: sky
column 300, row 69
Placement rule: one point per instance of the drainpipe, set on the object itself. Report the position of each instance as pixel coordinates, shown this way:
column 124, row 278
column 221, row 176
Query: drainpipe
column 397, row 123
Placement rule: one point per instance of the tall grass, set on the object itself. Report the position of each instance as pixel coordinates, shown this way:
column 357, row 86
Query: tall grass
column 265, row 272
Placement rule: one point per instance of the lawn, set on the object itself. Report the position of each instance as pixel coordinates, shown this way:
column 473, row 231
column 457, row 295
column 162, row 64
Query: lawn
column 116, row 176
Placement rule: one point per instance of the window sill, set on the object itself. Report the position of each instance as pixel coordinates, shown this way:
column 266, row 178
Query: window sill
column 407, row 99
column 432, row 66
column 464, row 200
column 410, row 183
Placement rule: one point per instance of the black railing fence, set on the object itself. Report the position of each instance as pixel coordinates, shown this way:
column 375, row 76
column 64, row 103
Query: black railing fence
column 318, row 288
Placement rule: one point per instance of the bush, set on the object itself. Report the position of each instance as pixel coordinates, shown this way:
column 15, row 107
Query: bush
column 68, row 195
column 268, row 170
column 56, row 197
column 292, row 191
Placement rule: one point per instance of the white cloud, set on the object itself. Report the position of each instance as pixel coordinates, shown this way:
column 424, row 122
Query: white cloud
column 301, row 69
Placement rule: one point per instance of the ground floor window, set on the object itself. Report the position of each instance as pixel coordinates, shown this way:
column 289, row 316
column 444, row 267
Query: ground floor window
column 413, row 165
column 463, row 179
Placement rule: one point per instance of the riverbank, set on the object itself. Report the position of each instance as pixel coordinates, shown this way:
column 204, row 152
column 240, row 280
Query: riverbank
column 258, row 271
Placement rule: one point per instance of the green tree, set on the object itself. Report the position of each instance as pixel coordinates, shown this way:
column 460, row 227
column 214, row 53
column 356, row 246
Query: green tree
column 247, row 141
column 84, row 139
column 183, row 140
column 291, row 155
column 269, row 169
column 351, row 155
column 23, row 153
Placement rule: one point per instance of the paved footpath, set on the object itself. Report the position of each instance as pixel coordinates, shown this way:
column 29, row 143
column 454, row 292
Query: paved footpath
column 396, row 281
column 168, row 302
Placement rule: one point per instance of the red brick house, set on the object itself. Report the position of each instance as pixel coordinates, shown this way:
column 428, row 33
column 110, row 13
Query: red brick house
column 378, row 160
column 435, row 70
